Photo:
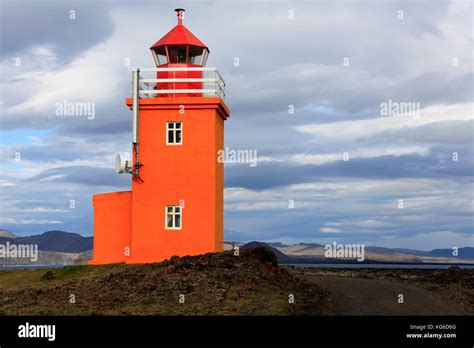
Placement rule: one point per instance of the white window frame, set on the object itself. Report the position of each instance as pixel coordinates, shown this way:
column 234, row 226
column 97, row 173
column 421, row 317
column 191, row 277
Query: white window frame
column 174, row 130
column 205, row 54
column 173, row 219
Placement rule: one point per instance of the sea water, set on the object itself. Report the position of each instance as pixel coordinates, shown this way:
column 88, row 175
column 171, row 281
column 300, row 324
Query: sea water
column 378, row 265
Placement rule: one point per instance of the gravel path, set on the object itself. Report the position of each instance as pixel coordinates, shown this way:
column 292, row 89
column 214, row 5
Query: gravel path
column 360, row 296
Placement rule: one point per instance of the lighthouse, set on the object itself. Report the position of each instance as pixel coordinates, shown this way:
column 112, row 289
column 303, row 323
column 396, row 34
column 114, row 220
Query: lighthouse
column 175, row 206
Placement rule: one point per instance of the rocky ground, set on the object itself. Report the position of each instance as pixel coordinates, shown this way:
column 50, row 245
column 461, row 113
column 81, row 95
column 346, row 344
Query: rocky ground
column 224, row 284
column 211, row 284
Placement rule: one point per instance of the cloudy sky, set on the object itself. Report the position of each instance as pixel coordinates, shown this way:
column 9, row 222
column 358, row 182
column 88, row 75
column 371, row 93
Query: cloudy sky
column 309, row 93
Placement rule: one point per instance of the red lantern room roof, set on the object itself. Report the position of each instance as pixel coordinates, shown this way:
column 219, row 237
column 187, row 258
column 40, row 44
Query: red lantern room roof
column 179, row 35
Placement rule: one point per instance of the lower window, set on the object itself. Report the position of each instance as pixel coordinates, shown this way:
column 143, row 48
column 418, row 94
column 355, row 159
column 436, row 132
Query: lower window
column 173, row 217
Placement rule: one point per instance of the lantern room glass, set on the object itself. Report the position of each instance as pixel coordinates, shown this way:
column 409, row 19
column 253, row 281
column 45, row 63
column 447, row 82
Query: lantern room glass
column 180, row 54
column 195, row 55
column 177, row 54
column 160, row 56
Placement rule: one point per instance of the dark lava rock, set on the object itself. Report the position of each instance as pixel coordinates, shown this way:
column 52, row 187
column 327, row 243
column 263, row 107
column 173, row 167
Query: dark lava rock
column 250, row 283
column 47, row 276
column 262, row 254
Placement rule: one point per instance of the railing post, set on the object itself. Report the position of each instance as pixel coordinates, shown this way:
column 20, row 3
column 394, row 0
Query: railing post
column 150, row 85
column 135, row 103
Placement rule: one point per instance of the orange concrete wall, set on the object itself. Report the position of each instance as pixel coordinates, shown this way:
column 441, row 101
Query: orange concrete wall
column 171, row 173
column 219, row 189
column 112, row 226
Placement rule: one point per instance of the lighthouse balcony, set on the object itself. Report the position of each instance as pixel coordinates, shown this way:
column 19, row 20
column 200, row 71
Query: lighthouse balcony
column 179, row 82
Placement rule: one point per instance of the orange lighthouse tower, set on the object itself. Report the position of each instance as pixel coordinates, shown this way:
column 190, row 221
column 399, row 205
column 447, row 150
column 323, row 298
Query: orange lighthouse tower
column 176, row 203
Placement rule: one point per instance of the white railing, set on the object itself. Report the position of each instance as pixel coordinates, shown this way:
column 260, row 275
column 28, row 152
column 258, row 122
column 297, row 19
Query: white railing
column 211, row 83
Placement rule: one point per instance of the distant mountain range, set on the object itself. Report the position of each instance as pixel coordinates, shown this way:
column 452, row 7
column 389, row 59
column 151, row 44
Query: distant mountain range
column 60, row 241
column 69, row 248
column 6, row 234
column 463, row 253
column 313, row 252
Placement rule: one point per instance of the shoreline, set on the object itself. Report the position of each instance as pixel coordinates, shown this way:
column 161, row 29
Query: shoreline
column 333, row 265
column 382, row 265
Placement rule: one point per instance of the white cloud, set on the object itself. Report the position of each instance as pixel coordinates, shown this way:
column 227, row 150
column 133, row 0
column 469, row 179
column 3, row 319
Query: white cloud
column 5, row 183
column 303, row 158
column 15, row 221
column 87, row 79
column 362, row 224
column 365, row 128
column 329, row 230
column 429, row 240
